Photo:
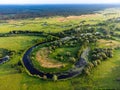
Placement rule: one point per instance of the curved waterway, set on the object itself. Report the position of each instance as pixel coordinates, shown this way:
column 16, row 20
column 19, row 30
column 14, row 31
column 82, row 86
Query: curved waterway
column 64, row 75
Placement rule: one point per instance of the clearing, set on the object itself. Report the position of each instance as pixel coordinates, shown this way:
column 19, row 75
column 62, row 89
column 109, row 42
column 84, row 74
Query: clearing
column 44, row 61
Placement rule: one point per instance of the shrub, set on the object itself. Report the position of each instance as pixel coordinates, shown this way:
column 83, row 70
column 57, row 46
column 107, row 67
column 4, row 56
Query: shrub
column 68, row 53
column 98, row 62
column 1, row 55
column 18, row 66
column 95, row 63
column 44, row 77
column 20, row 69
column 72, row 59
column 61, row 58
column 55, row 77
column 90, row 65
column 103, row 56
column 86, row 71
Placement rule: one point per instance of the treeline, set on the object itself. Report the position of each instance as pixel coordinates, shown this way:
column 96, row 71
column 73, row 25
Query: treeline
column 25, row 32
column 21, row 32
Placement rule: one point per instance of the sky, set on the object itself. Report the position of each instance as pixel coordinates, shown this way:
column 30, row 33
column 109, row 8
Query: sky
column 58, row 1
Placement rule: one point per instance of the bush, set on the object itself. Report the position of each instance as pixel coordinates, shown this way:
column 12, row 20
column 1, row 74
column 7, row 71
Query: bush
column 44, row 77
column 90, row 65
column 103, row 56
column 55, row 77
column 86, row 71
column 1, row 55
column 72, row 59
column 18, row 66
column 98, row 62
column 20, row 69
column 61, row 58
column 68, row 54
column 95, row 63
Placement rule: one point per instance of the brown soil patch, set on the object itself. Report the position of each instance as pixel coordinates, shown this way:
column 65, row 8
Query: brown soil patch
column 63, row 19
column 42, row 58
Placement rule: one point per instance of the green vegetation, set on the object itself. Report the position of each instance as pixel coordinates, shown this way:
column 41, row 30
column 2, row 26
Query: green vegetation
column 65, row 42
column 4, row 52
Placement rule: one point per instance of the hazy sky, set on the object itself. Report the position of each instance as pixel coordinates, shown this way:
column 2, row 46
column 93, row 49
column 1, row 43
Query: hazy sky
column 56, row 1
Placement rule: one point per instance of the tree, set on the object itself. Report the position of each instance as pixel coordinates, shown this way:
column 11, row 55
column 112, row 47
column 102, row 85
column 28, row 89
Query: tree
column 103, row 55
column 90, row 65
column 60, row 44
column 95, row 63
column 44, row 77
column 61, row 58
column 68, row 53
column 72, row 59
column 55, row 77
column 94, row 57
column 1, row 55
column 86, row 71
column 98, row 62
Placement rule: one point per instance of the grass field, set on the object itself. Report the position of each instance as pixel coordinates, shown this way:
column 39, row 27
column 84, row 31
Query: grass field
column 53, row 24
column 105, row 80
column 108, row 43
column 18, row 42
column 103, row 76
column 62, row 51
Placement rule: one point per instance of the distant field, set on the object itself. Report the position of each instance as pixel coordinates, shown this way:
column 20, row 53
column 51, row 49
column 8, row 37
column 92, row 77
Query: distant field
column 54, row 24
column 57, row 23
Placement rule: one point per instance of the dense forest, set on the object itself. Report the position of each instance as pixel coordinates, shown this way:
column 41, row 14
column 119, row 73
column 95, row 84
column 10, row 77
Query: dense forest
column 31, row 11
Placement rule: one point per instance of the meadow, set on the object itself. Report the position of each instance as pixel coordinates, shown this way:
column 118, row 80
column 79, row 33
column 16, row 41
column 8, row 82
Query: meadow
column 104, row 76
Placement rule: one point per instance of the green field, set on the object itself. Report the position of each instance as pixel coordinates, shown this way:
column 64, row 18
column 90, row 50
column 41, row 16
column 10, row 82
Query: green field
column 105, row 80
column 105, row 76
